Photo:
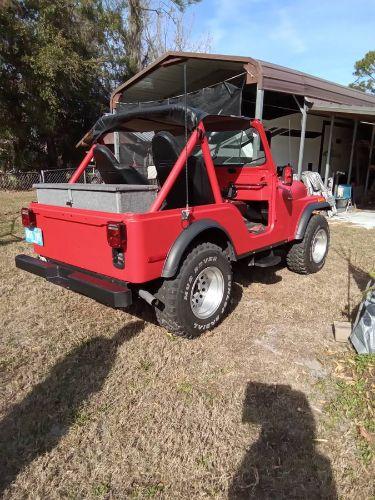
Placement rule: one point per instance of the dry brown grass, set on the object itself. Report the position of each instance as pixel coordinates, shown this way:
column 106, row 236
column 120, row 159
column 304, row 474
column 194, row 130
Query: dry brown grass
column 99, row 403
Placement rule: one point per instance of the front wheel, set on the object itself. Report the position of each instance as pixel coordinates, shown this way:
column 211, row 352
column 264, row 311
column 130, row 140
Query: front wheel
column 196, row 300
column 308, row 255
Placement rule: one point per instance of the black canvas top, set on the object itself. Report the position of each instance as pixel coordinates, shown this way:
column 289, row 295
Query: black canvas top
column 168, row 117
column 162, row 117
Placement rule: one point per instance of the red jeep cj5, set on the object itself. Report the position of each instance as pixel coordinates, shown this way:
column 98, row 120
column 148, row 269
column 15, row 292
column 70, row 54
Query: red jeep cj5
column 219, row 198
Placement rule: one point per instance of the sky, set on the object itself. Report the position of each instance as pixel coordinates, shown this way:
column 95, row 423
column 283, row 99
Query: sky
column 323, row 38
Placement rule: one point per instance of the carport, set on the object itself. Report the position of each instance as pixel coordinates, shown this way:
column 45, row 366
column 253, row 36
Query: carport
column 359, row 115
column 271, row 92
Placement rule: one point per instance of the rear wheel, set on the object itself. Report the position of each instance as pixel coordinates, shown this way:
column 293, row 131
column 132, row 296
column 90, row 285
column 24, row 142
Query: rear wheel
column 197, row 298
column 308, row 255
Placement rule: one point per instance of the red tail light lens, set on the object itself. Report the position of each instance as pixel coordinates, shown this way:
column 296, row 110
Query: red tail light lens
column 116, row 234
column 28, row 217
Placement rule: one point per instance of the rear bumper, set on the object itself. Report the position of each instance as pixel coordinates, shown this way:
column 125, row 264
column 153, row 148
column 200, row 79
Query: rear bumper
column 95, row 286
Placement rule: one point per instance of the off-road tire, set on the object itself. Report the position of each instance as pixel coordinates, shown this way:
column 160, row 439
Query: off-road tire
column 299, row 257
column 176, row 314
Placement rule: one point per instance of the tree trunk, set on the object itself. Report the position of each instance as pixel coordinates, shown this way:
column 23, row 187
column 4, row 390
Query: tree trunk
column 51, row 153
column 135, row 35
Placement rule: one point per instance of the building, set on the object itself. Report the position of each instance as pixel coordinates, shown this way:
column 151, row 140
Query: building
column 315, row 124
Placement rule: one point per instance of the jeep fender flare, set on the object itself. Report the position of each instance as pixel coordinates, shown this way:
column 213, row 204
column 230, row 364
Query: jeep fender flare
column 178, row 248
column 305, row 217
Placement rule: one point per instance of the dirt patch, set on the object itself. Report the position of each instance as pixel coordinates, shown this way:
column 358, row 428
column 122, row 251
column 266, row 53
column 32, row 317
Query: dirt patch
column 97, row 403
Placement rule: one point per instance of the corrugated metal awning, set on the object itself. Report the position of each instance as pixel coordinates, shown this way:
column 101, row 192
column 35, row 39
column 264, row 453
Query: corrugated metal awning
column 164, row 78
column 365, row 113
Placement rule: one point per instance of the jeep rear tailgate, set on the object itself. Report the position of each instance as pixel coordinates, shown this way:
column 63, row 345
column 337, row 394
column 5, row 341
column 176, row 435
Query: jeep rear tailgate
column 77, row 237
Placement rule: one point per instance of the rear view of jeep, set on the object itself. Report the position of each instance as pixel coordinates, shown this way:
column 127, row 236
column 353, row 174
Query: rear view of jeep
column 171, row 242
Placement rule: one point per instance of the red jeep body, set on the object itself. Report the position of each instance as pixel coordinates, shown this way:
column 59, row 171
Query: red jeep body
column 155, row 242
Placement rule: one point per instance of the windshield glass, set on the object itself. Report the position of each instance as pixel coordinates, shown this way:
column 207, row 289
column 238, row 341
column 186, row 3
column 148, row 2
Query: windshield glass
column 239, row 147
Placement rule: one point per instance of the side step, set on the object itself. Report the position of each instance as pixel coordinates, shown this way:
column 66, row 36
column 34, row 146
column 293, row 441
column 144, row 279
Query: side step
column 97, row 287
column 265, row 260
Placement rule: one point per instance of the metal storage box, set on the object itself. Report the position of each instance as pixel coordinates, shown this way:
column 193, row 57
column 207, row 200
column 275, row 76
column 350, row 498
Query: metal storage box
column 116, row 198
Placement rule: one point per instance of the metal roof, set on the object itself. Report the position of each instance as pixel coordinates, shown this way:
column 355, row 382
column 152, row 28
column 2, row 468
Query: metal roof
column 163, row 79
column 343, row 110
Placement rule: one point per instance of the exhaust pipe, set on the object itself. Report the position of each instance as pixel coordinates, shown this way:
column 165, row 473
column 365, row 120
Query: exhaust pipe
column 148, row 297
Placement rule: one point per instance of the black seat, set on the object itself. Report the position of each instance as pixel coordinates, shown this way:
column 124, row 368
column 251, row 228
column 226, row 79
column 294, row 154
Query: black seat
column 165, row 150
column 199, row 183
column 112, row 172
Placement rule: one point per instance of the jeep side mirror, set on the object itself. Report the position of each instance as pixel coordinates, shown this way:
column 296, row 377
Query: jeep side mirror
column 288, row 175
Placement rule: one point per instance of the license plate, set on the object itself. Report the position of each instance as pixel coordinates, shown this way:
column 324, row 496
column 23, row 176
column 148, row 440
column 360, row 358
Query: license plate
column 34, row 235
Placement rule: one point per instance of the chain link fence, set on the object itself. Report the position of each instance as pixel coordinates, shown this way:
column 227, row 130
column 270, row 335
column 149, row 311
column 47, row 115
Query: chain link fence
column 89, row 176
column 23, row 181
column 20, row 181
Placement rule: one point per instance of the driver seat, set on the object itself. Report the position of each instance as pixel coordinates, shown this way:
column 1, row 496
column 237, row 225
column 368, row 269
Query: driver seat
column 165, row 151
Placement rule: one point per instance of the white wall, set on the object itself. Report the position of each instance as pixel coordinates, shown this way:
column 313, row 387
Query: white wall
column 341, row 143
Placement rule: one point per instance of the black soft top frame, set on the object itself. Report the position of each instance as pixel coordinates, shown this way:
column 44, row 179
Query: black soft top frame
column 162, row 117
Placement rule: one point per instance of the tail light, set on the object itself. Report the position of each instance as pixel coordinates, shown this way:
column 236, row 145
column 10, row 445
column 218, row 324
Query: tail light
column 28, row 217
column 116, row 234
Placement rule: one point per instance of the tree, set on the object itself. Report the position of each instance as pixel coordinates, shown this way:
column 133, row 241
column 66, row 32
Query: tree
column 172, row 30
column 365, row 73
column 52, row 84
column 139, row 27
column 59, row 62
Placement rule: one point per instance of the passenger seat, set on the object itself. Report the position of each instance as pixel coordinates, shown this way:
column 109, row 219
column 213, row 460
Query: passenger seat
column 112, row 172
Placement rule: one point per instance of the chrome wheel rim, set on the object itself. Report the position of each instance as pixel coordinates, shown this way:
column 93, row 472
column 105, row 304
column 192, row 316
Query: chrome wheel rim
column 319, row 246
column 207, row 292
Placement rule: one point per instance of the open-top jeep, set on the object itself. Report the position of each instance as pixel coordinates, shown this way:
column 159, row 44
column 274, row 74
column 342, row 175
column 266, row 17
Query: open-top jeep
column 219, row 198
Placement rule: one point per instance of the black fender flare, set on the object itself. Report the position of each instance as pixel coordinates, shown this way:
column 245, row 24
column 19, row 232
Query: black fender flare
column 306, row 215
column 183, row 241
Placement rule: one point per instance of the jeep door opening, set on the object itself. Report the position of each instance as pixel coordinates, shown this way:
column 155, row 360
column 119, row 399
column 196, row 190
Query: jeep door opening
column 219, row 198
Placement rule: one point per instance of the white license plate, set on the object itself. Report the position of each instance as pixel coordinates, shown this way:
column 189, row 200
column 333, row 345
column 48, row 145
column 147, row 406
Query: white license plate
column 34, row 235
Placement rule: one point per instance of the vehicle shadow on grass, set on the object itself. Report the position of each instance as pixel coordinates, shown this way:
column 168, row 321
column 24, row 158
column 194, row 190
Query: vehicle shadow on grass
column 283, row 463
column 246, row 275
column 36, row 424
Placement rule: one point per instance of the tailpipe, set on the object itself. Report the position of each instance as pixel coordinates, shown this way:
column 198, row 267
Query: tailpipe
column 148, row 297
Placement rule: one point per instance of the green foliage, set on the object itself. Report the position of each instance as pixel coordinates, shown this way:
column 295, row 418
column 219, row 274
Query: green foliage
column 182, row 4
column 354, row 401
column 52, row 85
column 365, row 73
column 59, row 62
column 101, row 490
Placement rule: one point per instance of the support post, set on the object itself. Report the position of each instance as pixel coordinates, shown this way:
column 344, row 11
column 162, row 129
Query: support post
column 370, row 158
column 116, row 145
column 116, row 142
column 352, row 151
column 302, row 140
column 328, row 160
column 258, row 115
column 259, row 103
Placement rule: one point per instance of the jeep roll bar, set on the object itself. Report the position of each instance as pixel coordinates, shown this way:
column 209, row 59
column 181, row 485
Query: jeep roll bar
column 172, row 117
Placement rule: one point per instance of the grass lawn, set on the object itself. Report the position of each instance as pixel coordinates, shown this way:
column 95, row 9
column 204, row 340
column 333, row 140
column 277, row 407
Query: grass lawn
column 97, row 403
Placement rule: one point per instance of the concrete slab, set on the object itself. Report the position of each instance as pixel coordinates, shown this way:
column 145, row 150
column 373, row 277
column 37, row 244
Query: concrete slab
column 362, row 218
column 342, row 330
